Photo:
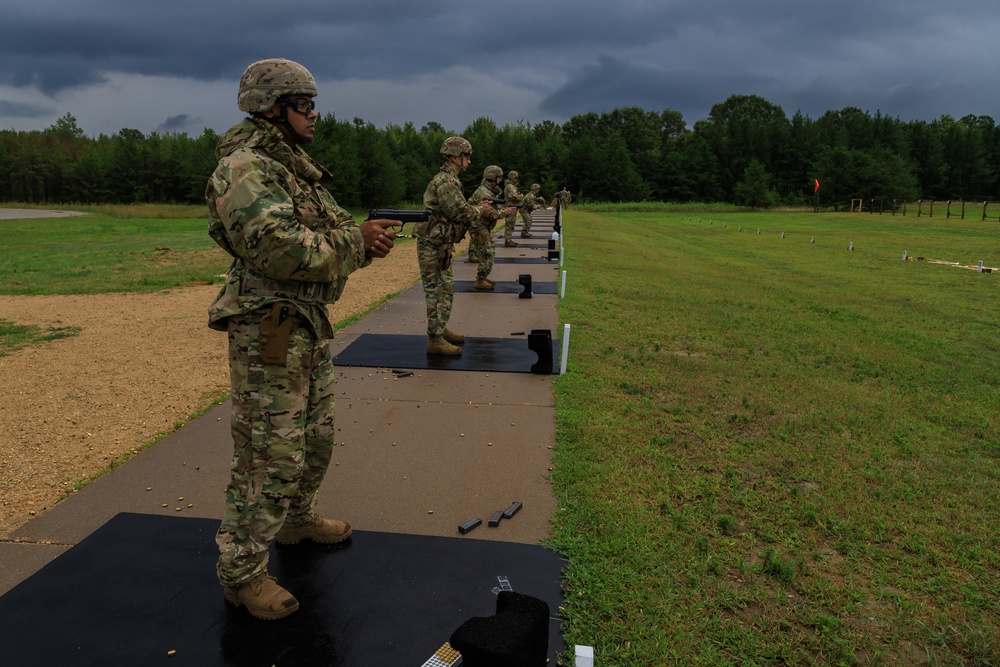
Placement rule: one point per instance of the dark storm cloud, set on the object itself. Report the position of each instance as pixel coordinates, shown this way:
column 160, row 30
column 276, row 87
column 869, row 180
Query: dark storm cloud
column 24, row 110
column 179, row 123
column 548, row 60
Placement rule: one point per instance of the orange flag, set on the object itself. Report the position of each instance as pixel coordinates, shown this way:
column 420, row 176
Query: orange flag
column 816, row 189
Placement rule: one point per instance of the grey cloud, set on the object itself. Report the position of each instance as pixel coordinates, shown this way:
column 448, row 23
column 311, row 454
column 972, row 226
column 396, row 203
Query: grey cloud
column 24, row 110
column 180, row 123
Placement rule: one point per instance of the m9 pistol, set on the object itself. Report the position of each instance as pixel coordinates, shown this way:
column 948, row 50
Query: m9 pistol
column 403, row 216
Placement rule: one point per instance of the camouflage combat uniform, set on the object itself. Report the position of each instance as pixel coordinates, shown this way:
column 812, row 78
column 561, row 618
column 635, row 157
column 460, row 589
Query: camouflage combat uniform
column 513, row 198
column 529, row 202
column 450, row 219
column 564, row 198
column 292, row 244
column 481, row 233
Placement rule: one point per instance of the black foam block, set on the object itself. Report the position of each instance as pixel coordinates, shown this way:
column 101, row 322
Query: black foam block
column 143, row 585
column 478, row 354
column 518, row 634
column 505, row 287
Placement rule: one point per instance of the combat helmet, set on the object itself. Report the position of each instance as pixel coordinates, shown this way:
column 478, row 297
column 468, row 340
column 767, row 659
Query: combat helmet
column 492, row 172
column 266, row 80
column 512, row 175
column 456, row 146
column 536, row 186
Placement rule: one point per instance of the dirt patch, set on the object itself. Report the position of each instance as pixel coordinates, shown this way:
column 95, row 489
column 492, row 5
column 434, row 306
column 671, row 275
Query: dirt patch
column 141, row 364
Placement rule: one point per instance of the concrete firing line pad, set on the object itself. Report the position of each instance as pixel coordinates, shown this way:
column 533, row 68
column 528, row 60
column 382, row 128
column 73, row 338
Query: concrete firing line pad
column 415, row 457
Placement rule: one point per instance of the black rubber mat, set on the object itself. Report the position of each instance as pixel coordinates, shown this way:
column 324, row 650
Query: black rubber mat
column 478, row 354
column 506, row 287
column 142, row 590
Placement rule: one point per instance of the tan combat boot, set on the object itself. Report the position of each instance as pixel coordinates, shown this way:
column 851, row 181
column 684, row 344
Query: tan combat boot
column 324, row 531
column 482, row 285
column 491, row 282
column 263, row 598
column 438, row 345
column 452, row 337
column 473, row 259
column 509, row 244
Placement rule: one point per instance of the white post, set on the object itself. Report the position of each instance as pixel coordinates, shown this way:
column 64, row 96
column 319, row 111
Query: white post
column 904, row 255
column 584, row 656
column 565, row 350
column 980, row 266
column 850, row 246
column 562, row 289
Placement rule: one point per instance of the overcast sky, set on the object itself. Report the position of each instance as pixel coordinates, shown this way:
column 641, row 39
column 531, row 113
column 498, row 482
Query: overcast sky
column 174, row 66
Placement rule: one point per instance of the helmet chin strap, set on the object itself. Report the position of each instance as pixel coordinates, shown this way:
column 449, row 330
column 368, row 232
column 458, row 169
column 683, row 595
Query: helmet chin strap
column 281, row 122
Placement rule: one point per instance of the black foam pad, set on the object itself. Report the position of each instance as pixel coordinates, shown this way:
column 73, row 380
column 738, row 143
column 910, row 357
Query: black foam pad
column 478, row 354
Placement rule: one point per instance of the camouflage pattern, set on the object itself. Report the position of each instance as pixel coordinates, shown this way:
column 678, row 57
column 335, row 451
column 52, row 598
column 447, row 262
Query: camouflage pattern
column 529, row 202
column 513, row 197
column 481, row 234
column 450, row 219
column 290, row 242
column 266, row 80
column 456, row 146
column 564, row 198
column 283, row 436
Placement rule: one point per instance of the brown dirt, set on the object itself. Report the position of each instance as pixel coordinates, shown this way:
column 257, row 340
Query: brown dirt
column 141, row 364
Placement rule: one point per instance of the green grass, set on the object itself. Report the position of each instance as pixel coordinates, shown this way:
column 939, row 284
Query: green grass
column 776, row 450
column 112, row 249
column 16, row 336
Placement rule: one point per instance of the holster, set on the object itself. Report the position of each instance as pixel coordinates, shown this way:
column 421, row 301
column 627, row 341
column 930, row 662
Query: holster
column 444, row 256
column 275, row 329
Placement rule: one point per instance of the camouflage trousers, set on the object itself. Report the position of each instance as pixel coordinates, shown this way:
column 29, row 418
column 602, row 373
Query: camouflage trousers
column 511, row 221
column 439, row 283
column 283, row 437
column 481, row 246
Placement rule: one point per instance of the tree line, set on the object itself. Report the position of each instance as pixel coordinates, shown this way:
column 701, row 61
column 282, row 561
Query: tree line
column 747, row 152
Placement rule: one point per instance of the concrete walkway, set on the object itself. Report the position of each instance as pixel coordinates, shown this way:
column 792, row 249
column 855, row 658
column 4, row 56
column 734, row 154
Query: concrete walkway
column 416, row 455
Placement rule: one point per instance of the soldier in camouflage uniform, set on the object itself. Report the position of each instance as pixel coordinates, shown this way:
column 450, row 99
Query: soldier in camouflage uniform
column 529, row 202
column 513, row 197
column 450, row 219
column 481, row 233
column 293, row 248
column 564, row 197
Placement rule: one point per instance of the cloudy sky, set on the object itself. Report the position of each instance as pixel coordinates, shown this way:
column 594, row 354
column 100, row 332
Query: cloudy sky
column 174, row 66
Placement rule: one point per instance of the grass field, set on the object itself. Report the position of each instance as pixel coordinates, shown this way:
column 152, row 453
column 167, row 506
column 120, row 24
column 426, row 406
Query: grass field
column 776, row 450
column 112, row 249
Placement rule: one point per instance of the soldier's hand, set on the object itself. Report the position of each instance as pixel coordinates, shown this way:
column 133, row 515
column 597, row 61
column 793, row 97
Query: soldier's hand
column 487, row 207
column 511, row 210
column 378, row 237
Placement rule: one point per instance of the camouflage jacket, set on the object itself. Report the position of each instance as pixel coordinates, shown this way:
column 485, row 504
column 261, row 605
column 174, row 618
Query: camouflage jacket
column 451, row 215
column 290, row 241
column 487, row 189
column 511, row 194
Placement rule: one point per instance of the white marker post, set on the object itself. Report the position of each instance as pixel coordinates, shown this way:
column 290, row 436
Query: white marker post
column 562, row 289
column 904, row 255
column 980, row 266
column 584, row 656
column 565, row 350
column 850, row 246
column 812, row 239
column 782, row 234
